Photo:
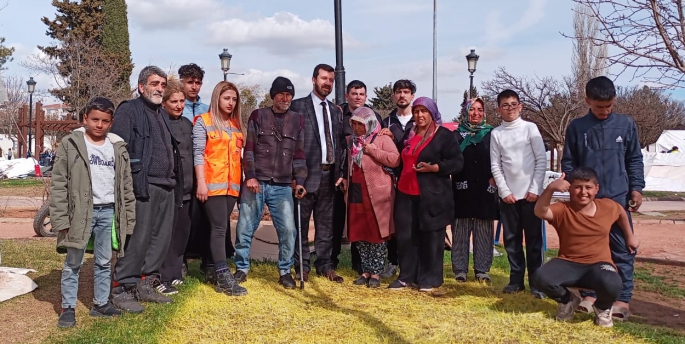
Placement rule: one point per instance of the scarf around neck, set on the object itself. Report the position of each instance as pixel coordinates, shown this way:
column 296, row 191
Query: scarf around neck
column 367, row 117
column 473, row 133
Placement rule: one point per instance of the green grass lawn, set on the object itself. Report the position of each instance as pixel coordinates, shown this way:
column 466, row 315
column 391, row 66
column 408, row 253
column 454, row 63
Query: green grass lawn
column 8, row 183
column 324, row 312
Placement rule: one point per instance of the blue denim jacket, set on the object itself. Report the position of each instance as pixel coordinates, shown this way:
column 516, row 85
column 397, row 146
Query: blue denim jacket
column 194, row 109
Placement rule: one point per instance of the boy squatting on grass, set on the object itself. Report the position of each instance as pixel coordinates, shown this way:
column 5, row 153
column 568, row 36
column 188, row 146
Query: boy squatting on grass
column 584, row 261
column 91, row 195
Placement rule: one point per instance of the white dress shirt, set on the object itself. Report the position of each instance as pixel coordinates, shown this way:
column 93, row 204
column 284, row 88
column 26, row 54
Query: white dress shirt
column 319, row 120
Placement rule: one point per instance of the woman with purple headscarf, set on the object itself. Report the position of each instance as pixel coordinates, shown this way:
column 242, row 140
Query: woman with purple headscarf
column 369, row 193
column 423, row 204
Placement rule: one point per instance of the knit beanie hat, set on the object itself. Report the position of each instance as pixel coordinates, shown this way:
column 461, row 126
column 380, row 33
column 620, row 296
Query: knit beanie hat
column 281, row 84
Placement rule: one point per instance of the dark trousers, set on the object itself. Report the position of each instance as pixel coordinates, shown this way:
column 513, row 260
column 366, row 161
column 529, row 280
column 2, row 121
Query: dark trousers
column 392, row 251
column 420, row 251
column 147, row 247
column 321, row 204
column 339, row 214
column 519, row 221
column 554, row 277
column 624, row 260
column 218, row 210
column 198, row 243
column 173, row 263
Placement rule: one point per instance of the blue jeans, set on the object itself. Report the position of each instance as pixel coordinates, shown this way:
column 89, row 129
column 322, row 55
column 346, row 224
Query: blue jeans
column 279, row 199
column 101, row 229
column 623, row 259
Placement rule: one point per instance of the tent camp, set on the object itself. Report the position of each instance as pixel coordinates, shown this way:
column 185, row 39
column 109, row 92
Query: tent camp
column 670, row 139
column 666, row 171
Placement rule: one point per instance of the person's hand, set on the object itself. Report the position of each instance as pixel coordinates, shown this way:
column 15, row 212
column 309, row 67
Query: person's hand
column 560, row 185
column 492, row 182
column 300, row 191
column 635, row 201
column 202, row 191
column 369, row 147
column 342, row 183
column 386, row 132
column 531, row 197
column 633, row 243
column 253, row 185
column 426, row 167
column 509, row 199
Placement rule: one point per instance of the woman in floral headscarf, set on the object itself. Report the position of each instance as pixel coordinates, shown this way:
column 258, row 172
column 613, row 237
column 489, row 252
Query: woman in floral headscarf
column 423, row 203
column 370, row 193
column 475, row 196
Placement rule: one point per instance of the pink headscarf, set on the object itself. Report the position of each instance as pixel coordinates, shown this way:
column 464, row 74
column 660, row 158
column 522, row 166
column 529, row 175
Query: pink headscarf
column 367, row 117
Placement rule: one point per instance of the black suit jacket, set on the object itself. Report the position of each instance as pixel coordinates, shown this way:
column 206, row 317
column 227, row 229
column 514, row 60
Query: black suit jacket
column 312, row 141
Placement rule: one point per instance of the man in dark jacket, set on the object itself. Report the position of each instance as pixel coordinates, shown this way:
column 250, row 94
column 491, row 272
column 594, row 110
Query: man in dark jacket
column 398, row 124
column 273, row 158
column 355, row 98
column 324, row 146
column 144, row 126
column 608, row 143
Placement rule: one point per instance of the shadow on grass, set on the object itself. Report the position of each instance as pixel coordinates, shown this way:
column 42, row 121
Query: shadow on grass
column 50, row 287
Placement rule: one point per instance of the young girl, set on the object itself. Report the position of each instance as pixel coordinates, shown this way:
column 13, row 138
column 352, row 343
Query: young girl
column 217, row 145
column 91, row 196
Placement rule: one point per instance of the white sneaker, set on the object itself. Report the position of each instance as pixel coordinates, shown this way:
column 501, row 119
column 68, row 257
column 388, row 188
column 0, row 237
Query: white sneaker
column 176, row 282
column 603, row 317
column 389, row 271
column 495, row 253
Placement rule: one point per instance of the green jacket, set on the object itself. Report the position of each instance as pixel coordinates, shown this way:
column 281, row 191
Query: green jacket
column 71, row 199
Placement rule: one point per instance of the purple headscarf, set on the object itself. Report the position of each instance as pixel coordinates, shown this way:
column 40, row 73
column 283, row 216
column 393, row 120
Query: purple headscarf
column 435, row 114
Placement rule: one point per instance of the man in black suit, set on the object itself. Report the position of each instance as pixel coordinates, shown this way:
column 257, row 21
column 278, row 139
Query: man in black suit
column 324, row 147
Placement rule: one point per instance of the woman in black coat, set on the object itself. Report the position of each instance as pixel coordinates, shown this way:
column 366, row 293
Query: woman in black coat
column 423, row 203
column 475, row 196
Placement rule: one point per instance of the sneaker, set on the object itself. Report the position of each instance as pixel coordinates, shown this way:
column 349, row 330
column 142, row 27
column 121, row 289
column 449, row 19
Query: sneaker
column 398, row 285
column 374, row 283
column 210, row 274
column 496, row 253
column 482, row 277
column 513, row 289
column 538, row 294
column 240, row 276
column 67, row 318
column 603, row 317
column 125, row 299
column 106, row 310
column 287, row 281
column 226, row 283
column 425, row 289
column 361, row 280
column 165, row 288
column 176, row 282
column 566, row 310
column 460, row 277
column 389, row 271
column 147, row 293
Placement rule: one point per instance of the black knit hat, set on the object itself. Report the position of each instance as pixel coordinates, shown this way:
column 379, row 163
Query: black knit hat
column 281, row 84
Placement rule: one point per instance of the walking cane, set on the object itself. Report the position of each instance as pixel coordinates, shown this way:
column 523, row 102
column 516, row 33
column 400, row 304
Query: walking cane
column 299, row 236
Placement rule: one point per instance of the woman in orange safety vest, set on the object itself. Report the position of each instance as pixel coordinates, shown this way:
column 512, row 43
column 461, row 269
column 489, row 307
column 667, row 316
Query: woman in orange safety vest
column 217, row 145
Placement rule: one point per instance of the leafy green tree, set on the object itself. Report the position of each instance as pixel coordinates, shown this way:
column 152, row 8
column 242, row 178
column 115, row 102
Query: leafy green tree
column 383, row 99
column 5, row 53
column 115, row 37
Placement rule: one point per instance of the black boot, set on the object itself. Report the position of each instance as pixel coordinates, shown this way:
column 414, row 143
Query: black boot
column 226, row 283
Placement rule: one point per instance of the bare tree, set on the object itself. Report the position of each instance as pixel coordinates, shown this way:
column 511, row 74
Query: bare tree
column 653, row 111
column 647, row 37
column 250, row 97
column 548, row 102
column 18, row 96
column 90, row 69
column 589, row 59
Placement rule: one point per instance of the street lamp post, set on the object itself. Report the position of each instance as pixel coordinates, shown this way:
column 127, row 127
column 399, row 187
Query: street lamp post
column 32, row 87
column 339, row 68
column 225, row 62
column 472, row 59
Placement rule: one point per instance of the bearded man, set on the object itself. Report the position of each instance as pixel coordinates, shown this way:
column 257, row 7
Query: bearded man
column 157, row 182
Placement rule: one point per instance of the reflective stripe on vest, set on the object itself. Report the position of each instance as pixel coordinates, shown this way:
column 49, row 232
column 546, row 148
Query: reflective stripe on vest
column 223, row 169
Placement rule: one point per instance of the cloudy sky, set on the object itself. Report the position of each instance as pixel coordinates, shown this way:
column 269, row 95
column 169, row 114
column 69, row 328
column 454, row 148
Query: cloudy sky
column 384, row 40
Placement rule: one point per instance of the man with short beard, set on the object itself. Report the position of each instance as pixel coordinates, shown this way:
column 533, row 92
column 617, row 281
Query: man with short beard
column 324, row 146
column 272, row 159
column 157, row 182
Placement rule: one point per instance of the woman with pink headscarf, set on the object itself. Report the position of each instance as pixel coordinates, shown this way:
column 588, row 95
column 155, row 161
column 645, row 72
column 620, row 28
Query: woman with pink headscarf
column 424, row 205
column 369, row 192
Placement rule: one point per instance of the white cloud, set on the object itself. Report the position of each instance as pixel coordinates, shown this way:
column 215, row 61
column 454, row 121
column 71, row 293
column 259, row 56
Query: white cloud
column 175, row 14
column 500, row 26
column 284, row 33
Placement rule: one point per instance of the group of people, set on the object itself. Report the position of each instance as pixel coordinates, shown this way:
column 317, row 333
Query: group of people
column 160, row 171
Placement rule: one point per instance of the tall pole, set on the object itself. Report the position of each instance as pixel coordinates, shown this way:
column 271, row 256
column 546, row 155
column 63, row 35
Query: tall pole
column 435, row 51
column 225, row 74
column 28, row 153
column 471, row 85
column 339, row 68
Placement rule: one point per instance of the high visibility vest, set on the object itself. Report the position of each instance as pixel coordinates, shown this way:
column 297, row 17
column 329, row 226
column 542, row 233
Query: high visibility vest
column 223, row 169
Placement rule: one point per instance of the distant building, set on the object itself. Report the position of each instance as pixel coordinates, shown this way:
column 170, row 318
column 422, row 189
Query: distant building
column 56, row 112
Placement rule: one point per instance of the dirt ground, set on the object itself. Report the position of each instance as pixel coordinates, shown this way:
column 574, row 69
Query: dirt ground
column 25, row 191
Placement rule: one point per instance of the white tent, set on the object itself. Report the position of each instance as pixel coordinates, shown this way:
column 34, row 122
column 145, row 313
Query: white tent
column 664, row 171
column 670, row 139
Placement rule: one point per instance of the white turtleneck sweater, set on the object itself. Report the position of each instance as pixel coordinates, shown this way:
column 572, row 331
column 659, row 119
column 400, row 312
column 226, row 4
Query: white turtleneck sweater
column 518, row 161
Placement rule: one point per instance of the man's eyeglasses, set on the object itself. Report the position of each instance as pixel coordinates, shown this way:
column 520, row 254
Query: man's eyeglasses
column 508, row 106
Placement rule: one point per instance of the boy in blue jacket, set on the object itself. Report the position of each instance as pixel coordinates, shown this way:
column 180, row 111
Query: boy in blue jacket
column 608, row 143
